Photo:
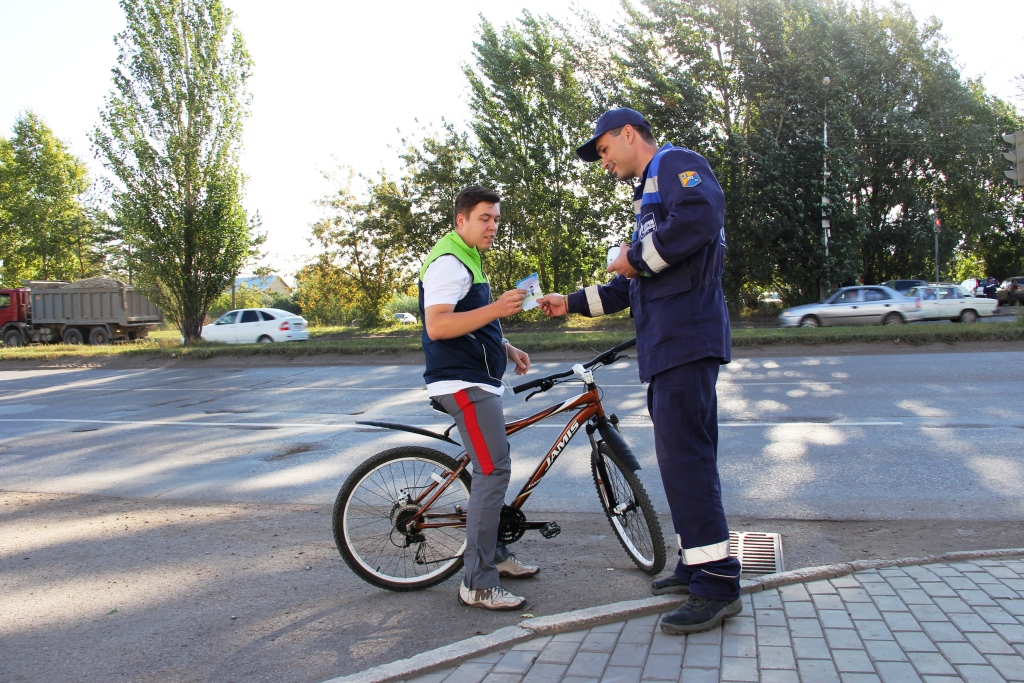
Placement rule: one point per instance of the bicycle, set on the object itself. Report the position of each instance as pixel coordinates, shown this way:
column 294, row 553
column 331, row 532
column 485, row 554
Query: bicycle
column 399, row 518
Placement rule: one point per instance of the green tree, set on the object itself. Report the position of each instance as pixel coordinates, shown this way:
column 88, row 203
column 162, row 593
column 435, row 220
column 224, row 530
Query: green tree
column 531, row 110
column 47, row 229
column 171, row 132
column 363, row 249
column 743, row 83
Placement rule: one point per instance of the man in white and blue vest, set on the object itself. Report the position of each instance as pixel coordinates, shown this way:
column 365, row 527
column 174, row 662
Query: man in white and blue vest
column 466, row 358
column 671, row 279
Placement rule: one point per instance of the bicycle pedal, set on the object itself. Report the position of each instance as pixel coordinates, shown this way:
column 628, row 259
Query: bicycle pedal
column 550, row 530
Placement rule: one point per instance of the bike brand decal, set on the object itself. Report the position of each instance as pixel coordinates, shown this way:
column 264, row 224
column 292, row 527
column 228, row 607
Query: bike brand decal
column 573, row 426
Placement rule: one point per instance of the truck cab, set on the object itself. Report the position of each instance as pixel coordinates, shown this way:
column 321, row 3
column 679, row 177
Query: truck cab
column 13, row 315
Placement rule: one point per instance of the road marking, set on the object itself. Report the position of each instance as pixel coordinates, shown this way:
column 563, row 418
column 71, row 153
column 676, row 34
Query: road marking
column 329, row 426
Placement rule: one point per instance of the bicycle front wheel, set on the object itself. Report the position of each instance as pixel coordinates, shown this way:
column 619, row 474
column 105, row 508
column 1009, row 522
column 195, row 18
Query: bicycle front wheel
column 374, row 506
column 629, row 510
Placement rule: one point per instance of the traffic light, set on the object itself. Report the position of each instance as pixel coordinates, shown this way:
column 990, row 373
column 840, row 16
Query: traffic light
column 1015, row 157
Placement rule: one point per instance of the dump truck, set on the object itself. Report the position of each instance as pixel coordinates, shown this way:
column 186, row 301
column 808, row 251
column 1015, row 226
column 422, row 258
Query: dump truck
column 97, row 310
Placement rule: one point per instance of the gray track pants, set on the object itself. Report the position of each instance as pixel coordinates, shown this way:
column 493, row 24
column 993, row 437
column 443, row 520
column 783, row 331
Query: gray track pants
column 481, row 423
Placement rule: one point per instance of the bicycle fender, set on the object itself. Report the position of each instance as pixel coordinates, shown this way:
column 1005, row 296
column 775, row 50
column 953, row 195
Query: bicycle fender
column 618, row 445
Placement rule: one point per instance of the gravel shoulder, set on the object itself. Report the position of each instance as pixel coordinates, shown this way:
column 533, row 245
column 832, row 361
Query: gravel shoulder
column 103, row 589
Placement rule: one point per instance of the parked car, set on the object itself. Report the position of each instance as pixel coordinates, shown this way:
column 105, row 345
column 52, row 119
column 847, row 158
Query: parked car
column 875, row 305
column 951, row 302
column 1011, row 292
column 405, row 318
column 902, row 285
column 251, row 325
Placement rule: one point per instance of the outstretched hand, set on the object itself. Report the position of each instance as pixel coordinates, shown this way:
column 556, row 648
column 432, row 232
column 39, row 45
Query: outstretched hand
column 554, row 305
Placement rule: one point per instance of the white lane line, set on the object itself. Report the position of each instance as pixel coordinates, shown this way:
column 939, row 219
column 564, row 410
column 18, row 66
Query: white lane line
column 635, row 385
column 336, row 426
column 170, row 423
column 811, row 424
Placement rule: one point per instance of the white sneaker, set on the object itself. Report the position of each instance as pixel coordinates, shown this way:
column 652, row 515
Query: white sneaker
column 516, row 569
column 496, row 598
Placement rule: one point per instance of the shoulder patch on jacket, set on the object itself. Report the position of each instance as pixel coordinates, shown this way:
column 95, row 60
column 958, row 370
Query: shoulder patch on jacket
column 689, row 179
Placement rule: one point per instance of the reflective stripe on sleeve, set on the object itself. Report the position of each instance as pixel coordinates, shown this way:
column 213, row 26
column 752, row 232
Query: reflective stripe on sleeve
column 651, row 185
column 651, row 256
column 636, row 207
column 594, row 301
column 706, row 553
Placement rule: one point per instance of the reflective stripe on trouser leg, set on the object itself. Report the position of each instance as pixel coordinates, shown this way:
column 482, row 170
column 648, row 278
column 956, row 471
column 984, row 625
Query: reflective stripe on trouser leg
column 482, row 423
column 684, row 408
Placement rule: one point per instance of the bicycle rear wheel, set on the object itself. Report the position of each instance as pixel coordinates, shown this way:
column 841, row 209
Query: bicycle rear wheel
column 629, row 510
column 373, row 506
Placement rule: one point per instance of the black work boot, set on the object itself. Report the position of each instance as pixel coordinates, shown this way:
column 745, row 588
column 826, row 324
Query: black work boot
column 669, row 584
column 699, row 614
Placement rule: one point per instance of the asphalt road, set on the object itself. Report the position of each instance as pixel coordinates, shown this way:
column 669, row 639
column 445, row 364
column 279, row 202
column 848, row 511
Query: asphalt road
column 931, row 436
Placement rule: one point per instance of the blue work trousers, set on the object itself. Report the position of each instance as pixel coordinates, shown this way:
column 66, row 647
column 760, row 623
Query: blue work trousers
column 683, row 404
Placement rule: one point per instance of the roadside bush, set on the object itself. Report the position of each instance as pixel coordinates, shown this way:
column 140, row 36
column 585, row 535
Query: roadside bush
column 402, row 302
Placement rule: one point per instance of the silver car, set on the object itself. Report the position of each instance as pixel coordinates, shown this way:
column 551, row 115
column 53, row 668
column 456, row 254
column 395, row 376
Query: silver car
column 874, row 305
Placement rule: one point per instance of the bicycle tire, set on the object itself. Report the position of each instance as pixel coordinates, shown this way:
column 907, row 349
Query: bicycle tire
column 384, row 479
column 639, row 534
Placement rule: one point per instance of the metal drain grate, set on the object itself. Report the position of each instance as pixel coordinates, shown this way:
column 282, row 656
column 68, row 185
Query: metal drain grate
column 758, row 552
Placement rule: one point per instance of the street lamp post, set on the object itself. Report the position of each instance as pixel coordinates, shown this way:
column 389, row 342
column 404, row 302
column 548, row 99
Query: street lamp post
column 826, row 223
column 937, row 224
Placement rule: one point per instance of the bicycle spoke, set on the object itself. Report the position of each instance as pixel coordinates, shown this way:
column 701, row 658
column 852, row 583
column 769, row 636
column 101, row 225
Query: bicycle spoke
column 384, row 499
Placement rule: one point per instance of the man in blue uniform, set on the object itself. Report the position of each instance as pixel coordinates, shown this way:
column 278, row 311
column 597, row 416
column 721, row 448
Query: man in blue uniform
column 671, row 278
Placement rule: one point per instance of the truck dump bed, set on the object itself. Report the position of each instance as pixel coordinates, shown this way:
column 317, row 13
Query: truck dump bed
column 90, row 302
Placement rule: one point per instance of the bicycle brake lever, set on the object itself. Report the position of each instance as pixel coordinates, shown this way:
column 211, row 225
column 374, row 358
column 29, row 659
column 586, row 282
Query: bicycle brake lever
column 547, row 384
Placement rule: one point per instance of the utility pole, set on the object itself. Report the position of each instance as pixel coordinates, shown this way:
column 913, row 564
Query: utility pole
column 938, row 228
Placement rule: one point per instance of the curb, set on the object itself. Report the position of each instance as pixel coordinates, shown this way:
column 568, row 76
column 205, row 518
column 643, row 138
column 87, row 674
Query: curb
column 503, row 638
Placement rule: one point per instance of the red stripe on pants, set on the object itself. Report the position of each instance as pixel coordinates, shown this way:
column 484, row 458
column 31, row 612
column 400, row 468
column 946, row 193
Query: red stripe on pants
column 476, row 437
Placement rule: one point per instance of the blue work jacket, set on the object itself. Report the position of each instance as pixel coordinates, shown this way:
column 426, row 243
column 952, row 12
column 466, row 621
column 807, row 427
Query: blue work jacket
column 679, row 248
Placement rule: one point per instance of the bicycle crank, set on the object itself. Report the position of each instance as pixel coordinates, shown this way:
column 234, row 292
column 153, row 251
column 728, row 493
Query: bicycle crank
column 513, row 525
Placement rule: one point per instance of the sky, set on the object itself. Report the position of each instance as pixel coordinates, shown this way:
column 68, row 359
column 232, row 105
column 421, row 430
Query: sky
column 334, row 82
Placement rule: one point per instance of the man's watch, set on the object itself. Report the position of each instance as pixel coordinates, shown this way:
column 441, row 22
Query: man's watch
column 504, row 342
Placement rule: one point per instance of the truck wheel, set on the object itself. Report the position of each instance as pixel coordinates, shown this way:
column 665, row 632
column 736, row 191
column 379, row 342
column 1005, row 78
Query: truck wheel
column 99, row 336
column 13, row 338
column 72, row 336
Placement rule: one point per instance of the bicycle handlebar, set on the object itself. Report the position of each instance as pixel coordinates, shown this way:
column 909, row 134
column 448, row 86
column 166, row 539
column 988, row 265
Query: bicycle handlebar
column 545, row 383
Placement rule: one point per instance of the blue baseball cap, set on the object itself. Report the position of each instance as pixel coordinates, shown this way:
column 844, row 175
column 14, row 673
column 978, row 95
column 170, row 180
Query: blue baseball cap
column 610, row 120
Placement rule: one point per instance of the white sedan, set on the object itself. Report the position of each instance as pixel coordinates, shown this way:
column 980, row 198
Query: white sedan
column 950, row 302
column 262, row 325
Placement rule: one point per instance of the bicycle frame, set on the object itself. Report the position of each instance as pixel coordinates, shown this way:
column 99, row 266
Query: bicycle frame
column 589, row 405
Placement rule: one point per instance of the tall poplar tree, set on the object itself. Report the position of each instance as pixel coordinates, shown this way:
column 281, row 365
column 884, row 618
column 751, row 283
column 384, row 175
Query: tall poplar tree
column 171, row 132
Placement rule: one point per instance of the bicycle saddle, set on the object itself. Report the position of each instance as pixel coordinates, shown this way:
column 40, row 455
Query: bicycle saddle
column 436, row 405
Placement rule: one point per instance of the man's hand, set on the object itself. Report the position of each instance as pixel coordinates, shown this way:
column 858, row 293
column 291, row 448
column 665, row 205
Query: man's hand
column 520, row 358
column 621, row 264
column 554, row 305
column 510, row 303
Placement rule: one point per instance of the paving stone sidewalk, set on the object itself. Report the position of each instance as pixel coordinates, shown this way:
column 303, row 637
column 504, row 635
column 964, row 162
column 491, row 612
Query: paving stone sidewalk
column 938, row 622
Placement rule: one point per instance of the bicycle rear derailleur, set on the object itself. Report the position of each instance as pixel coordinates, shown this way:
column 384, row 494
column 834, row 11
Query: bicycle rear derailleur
column 514, row 525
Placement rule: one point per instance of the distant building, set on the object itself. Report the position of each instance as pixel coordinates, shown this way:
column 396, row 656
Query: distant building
column 274, row 284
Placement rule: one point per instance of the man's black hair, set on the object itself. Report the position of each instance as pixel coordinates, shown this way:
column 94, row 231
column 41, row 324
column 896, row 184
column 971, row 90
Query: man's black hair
column 473, row 195
column 645, row 134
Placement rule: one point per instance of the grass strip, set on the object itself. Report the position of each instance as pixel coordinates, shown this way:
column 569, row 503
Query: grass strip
column 402, row 341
